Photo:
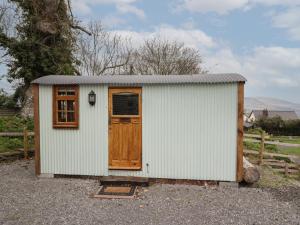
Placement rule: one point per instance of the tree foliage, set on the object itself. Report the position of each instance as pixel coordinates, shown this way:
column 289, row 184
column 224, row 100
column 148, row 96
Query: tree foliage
column 277, row 126
column 6, row 101
column 43, row 43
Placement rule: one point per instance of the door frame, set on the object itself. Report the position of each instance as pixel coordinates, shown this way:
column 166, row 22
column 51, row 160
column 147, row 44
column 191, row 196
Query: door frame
column 133, row 89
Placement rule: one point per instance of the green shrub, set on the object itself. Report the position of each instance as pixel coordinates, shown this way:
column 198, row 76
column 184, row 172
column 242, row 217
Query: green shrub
column 7, row 143
column 15, row 124
column 277, row 126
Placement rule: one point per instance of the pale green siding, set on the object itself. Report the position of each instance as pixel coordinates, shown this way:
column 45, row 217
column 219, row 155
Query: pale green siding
column 189, row 132
column 75, row 151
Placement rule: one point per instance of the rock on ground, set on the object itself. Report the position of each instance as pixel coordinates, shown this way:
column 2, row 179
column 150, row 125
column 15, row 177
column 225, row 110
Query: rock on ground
column 25, row 199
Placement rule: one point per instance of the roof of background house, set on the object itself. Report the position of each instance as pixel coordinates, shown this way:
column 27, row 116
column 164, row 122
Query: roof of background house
column 285, row 115
column 141, row 79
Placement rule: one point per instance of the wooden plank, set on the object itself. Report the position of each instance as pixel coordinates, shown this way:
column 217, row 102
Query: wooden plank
column 25, row 143
column 125, row 135
column 256, row 136
column 262, row 148
column 240, row 132
column 15, row 134
column 35, row 89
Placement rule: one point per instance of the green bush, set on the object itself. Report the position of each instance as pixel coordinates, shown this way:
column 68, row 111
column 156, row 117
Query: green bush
column 7, row 143
column 15, row 124
column 277, row 126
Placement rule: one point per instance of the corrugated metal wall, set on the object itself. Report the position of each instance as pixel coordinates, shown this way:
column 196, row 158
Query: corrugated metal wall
column 189, row 132
column 75, row 151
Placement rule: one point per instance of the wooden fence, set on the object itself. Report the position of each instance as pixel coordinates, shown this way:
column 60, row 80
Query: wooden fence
column 25, row 134
column 262, row 138
column 271, row 159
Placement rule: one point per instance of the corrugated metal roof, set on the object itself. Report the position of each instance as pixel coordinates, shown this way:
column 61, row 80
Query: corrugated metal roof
column 141, row 79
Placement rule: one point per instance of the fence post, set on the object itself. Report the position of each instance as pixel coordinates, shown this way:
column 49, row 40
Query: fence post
column 286, row 169
column 25, row 143
column 262, row 148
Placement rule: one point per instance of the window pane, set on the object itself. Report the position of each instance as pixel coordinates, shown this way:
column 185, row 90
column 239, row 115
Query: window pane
column 61, row 92
column 61, row 104
column 70, row 105
column 71, row 92
column 125, row 104
column 71, row 117
column 62, row 117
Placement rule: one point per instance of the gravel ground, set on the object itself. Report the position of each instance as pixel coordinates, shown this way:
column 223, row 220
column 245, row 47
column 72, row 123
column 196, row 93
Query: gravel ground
column 24, row 199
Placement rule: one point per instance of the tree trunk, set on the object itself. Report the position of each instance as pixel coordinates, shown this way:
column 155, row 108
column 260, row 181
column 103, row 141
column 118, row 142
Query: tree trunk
column 251, row 173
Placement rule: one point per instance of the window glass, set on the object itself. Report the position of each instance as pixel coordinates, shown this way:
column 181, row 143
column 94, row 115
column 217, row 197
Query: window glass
column 62, row 116
column 70, row 105
column 125, row 104
column 65, row 112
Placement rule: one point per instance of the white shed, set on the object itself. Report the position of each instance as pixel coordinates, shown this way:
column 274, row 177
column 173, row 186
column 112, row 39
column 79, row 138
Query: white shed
column 154, row 126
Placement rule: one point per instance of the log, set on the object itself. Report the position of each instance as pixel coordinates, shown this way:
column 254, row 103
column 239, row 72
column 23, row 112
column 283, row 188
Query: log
column 251, row 173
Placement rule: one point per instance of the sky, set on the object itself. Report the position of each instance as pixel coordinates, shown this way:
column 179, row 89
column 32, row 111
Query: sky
column 259, row 39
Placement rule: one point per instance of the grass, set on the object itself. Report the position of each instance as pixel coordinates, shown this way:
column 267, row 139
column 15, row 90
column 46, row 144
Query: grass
column 289, row 150
column 256, row 146
column 273, row 148
column 287, row 139
column 271, row 179
column 14, row 124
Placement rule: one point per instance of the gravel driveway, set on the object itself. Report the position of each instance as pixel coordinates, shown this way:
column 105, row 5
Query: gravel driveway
column 24, row 199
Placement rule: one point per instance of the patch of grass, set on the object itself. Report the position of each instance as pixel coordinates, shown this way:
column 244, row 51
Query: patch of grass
column 270, row 178
column 256, row 146
column 254, row 131
column 289, row 150
column 14, row 124
column 251, row 145
column 287, row 139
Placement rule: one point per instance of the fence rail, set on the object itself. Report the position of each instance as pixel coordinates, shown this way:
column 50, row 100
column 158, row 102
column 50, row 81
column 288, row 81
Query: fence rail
column 15, row 134
column 25, row 134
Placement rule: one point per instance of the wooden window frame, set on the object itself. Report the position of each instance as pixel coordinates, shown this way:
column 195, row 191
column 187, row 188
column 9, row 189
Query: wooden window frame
column 133, row 90
column 56, row 97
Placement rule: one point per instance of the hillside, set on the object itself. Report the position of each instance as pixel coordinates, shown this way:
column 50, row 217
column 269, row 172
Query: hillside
column 270, row 103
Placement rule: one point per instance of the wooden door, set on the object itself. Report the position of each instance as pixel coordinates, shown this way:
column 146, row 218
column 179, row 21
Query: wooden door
column 125, row 128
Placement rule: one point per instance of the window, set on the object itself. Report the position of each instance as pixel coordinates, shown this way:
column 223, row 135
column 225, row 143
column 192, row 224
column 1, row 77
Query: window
column 125, row 104
column 65, row 106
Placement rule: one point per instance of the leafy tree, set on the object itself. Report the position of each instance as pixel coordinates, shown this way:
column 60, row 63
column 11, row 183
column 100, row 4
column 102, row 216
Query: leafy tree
column 6, row 101
column 277, row 126
column 43, row 43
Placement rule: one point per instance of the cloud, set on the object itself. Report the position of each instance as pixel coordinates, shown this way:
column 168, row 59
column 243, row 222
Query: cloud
column 225, row 6
column 191, row 37
column 127, row 8
column 263, row 67
column 85, row 7
column 290, row 20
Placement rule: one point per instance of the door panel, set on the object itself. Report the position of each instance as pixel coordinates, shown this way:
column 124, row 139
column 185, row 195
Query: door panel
column 125, row 128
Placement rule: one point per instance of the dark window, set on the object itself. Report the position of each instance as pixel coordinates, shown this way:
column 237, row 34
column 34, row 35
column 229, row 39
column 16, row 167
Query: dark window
column 125, row 104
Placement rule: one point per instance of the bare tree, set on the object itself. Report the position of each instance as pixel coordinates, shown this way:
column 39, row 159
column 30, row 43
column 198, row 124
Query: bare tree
column 102, row 52
column 164, row 57
column 8, row 19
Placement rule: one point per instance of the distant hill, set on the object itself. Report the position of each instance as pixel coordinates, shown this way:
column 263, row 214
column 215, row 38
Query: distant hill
column 271, row 104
